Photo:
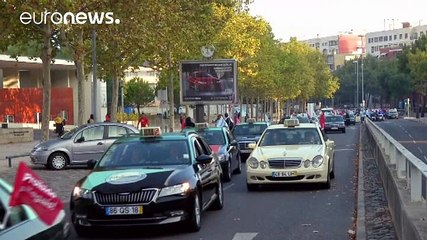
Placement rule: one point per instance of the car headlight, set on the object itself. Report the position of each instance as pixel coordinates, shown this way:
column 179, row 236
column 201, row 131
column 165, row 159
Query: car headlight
column 41, row 148
column 252, row 162
column 221, row 157
column 307, row 163
column 79, row 192
column 317, row 161
column 263, row 164
column 175, row 189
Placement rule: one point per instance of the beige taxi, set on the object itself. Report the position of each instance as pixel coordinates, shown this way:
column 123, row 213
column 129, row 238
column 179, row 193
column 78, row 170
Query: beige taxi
column 292, row 152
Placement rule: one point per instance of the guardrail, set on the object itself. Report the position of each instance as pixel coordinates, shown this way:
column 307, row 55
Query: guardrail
column 9, row 158
column 408, row 166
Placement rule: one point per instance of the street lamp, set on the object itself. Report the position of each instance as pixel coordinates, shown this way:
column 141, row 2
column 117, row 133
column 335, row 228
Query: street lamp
column 363, row 91
column 357, row 82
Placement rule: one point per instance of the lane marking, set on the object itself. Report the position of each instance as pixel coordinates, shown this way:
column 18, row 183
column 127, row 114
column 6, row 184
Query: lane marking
column 419, row 149
column 410, row 135
column 425, row 158
column 244, row 236
column 344, row 149
column 228, row 186
column 413, row 141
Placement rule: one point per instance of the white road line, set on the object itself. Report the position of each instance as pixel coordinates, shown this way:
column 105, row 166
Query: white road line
column 425, row 157
column 344, row 149
column 414, row 141
column 228, row 186
column 244, row 236
column 409, row 135
column 421, row 151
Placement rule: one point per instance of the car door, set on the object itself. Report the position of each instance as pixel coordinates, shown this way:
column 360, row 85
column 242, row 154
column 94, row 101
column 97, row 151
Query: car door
column 232, row 148
column 88, row 144
column 205, row 171
column 113, row 133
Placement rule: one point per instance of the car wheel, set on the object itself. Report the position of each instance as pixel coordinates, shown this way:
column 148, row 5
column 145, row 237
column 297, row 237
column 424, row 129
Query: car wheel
column 251, row 187
column 343, row 131
column 227, row 172
column 193, row 222
column 219, row 201
column 327, row 184
column 239, row 165
column 333, row 170
column 57, row 161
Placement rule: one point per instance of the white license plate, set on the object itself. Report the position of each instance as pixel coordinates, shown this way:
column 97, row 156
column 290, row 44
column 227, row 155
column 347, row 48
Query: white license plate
column 334, row 128
column 284, row 174
column 131, row 210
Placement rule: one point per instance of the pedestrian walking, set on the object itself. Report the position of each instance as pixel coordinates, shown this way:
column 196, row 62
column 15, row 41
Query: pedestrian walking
column 91, row 119
column 143, row 121
column 107, row 117
column 220, row 121
column 189, row 123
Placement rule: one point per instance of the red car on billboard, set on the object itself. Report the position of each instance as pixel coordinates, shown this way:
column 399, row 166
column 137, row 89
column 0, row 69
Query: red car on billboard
column 200, row 80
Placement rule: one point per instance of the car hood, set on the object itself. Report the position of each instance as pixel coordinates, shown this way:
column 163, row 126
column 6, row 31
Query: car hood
column 51, row 143
column 135, row 179
column 288, row 151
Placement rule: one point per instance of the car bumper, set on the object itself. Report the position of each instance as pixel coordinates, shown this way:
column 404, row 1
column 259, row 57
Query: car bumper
column 39, row 157
column 329, row 129
column 165, row 210
column 265, row 176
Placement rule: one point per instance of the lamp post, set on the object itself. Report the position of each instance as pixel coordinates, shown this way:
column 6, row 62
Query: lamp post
column 357, row 82
column 363, row 91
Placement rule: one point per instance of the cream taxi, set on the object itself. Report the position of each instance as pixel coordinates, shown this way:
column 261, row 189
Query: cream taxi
column 291, row 153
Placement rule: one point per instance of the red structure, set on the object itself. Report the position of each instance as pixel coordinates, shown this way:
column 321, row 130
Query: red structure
column 349, row 44
column 24, row 103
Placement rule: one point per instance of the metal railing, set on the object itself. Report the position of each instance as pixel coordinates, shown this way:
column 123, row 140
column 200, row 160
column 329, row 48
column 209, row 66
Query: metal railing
column 408, row 167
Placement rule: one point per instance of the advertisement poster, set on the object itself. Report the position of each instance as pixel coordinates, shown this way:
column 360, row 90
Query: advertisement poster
column 208, row 82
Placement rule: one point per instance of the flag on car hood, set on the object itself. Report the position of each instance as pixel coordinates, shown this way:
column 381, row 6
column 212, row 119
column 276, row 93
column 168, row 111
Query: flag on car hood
column 29, row 189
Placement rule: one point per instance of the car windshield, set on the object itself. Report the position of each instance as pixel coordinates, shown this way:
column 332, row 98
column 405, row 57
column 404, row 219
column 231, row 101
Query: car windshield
column 302, row 119
column 290, row 136
column 146, row 153
column 334, row 119
column 213, row 137
column 249, row 129
column 70, row 134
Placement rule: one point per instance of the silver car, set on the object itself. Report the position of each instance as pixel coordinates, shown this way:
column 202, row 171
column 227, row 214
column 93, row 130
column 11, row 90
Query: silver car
column 79, row 145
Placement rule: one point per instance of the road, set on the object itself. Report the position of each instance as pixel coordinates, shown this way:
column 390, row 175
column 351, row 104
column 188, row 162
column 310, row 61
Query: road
column 411, row 134
column 281, row 212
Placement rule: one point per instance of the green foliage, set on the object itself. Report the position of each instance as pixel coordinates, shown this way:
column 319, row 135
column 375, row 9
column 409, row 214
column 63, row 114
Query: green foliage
column 138, row 93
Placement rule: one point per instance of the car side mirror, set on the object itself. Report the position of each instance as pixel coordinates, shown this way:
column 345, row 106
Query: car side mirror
column 251, row 145
column 91, row 163
column 204, row 159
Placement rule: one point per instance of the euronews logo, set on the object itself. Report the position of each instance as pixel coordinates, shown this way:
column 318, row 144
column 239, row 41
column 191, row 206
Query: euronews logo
column 93, row 18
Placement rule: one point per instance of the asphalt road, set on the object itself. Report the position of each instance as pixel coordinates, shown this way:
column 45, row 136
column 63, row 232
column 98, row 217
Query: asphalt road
column 411, row 134
column 281, row 212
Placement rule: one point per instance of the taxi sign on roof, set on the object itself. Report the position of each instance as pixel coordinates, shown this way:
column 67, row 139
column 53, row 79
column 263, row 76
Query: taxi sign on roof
column 202, row 125
column 150, row 132
column 291, row 122
column 251, row 120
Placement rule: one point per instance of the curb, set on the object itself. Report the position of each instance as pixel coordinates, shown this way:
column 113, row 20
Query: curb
column 361, row 228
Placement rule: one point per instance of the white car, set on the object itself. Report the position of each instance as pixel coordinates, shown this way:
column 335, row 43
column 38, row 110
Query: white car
column 291, row 153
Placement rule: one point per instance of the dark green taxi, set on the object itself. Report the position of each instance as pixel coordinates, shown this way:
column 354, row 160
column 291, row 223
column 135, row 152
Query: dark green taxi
column 149, row 179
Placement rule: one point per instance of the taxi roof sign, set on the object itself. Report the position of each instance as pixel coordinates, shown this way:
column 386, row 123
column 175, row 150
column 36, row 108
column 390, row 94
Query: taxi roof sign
column 291, row 122
column 251, row 120
column 201, row 125
column 150, row 132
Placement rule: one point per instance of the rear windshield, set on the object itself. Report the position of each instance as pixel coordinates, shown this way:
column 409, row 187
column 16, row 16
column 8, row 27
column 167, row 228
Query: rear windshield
column 213, row 137
column 249, row 129
column 334, row 119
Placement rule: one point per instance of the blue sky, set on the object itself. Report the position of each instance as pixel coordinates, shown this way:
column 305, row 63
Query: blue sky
column 305, row 19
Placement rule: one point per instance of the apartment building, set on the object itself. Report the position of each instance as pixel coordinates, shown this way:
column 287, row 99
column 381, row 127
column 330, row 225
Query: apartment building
column 386, row 43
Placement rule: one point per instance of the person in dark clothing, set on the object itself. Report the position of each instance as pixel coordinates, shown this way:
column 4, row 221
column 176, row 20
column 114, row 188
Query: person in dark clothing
column 229, row 121
column 189, row 123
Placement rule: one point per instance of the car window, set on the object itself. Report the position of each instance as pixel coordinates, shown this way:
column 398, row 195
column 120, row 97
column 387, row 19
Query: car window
column 213, row 137
column 249, row 129
column 290, row 136
column 116, row 131
column 205, row 149
column 334, row 119
column 146, row 153
column 2, row 214
column 93, row 133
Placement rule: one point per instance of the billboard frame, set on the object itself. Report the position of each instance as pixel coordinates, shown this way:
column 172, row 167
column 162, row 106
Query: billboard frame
column 195, row 65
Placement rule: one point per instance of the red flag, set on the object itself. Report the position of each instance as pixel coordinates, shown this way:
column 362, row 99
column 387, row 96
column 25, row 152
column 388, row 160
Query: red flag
column 29, row 189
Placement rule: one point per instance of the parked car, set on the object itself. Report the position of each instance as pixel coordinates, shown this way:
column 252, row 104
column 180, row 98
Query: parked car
column 292, row 152
column 151, row 179
column 350, row 119
column 22, row 222
column 79, row 145
column 200, row 80
column 334, row 123
column 392, row 114
column 225, row 146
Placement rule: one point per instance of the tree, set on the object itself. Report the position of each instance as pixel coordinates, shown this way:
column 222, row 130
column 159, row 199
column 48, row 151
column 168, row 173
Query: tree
column 41, row 35
column 138, row 93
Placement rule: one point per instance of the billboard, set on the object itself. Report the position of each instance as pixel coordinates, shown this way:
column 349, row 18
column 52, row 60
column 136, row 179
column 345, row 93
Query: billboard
column 208, row 82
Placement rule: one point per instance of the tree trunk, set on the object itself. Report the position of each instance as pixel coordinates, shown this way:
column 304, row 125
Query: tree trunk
column 80, row 90
column 114, row 98
column 252, row 106
column 46, row 57
column 258, row 114
column 170, row 87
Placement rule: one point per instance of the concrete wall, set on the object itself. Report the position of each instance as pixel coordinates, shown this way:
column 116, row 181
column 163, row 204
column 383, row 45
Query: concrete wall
column 15, row 135
column 409, row 218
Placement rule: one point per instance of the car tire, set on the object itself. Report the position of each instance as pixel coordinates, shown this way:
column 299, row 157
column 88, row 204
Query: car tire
column 343, row 131
column 238, row 170
column 193, row 223
column 218, row 204
column 327, row 184
column 57, row 161
column 333, row 170
column 227, row 172
column 251, row 187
